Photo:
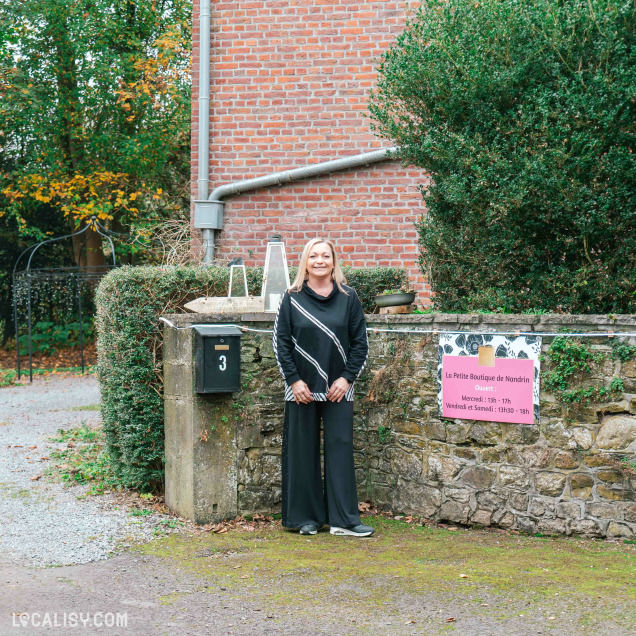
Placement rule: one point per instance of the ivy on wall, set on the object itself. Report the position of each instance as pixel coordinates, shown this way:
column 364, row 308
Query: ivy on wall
column 571, row 365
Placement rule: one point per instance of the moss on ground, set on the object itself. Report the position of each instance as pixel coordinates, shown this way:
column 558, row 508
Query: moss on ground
column 13, row 491
column 88, row 407
column 498, row 572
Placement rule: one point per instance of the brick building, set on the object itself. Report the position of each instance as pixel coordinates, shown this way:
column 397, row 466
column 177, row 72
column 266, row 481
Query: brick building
column 288, row 88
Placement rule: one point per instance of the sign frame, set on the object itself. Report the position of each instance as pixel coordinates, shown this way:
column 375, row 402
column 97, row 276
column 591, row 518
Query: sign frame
column 513, row 348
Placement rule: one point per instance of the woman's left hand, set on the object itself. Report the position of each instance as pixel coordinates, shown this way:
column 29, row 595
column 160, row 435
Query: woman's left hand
column 338, row 389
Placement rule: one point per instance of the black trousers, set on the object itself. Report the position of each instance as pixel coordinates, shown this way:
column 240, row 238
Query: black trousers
column 304, row 498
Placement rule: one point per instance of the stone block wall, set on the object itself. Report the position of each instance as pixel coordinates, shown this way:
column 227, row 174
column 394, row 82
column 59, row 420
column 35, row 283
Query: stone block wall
column 570, row 474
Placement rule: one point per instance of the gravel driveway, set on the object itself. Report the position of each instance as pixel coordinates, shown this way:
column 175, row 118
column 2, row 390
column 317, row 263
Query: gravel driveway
column 43, row 523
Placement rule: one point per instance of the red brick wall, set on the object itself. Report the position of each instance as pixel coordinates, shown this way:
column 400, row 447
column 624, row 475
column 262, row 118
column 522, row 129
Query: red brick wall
column 289, row 84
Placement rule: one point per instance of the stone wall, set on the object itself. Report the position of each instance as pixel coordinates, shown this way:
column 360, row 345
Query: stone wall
column 571, row 474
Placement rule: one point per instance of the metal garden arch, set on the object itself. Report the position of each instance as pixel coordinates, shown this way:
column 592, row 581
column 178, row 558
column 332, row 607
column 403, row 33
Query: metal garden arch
column 36, row 289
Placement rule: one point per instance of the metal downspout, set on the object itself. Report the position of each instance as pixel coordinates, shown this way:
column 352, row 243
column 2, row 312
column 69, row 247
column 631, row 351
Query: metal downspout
column 209, row 213
column 203, row 163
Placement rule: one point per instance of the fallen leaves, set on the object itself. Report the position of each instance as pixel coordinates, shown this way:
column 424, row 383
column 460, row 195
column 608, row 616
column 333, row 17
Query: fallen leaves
column 36, row 477
column 62, row 359
column 367, row 507
column 240, row 523
column 143, row 501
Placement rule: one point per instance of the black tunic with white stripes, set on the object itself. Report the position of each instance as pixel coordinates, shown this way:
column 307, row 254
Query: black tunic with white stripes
column 319, row 339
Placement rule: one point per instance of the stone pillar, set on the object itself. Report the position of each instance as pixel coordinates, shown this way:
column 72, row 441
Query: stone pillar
column 200, row 438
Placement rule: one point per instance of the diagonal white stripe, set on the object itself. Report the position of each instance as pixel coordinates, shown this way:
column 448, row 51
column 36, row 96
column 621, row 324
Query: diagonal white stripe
column 305, row 355
column 317, row 322
column 364, row 364
column 275, row 338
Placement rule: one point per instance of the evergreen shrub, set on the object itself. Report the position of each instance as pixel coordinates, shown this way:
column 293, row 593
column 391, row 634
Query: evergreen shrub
column 129, row 302
column 524, row 114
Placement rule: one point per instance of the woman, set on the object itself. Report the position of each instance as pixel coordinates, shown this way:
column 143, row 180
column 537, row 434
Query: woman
column 320, row 344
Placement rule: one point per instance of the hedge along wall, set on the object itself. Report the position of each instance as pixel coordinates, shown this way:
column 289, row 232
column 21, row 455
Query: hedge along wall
column 129, row 345
column 571, row 474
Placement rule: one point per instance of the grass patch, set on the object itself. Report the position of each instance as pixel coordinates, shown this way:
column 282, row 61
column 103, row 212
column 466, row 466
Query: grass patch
column 84, row 459
column 587, row 578
column 8, row 377
column 163, row 527
column 140, row 512
column 87, row 407
column 81, row 433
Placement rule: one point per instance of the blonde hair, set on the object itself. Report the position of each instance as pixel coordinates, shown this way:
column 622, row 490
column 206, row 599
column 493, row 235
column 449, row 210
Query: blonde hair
column 336, row 274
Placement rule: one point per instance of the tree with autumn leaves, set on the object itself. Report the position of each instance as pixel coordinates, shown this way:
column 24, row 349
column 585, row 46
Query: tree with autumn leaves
column 94, row 119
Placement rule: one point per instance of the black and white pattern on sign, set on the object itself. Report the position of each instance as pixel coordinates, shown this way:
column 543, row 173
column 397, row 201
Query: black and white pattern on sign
column 467, row 344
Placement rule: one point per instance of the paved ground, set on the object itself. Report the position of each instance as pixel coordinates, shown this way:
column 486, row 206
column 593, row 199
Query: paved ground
column 406, row 579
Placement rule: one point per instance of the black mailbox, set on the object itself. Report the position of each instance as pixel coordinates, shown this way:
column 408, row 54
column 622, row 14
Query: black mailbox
column 218, row 359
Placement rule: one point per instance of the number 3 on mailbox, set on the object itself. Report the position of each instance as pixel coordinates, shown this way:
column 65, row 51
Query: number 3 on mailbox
column 217, row 359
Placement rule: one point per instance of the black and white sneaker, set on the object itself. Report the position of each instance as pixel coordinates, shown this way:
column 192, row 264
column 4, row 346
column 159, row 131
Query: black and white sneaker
column 309, row 528
column 357, row 531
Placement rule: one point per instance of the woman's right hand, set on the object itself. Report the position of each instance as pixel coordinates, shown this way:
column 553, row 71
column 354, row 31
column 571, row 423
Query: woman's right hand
column 301, row 391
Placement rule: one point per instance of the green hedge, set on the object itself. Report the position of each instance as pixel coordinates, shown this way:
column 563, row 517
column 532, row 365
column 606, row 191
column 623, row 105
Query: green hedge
column 524, row 113
column 129, row 302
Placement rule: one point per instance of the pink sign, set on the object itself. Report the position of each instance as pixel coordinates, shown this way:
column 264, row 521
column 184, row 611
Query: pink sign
column 502, row 393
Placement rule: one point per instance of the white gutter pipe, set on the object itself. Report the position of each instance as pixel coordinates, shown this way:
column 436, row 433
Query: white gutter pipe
column 208, row 215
